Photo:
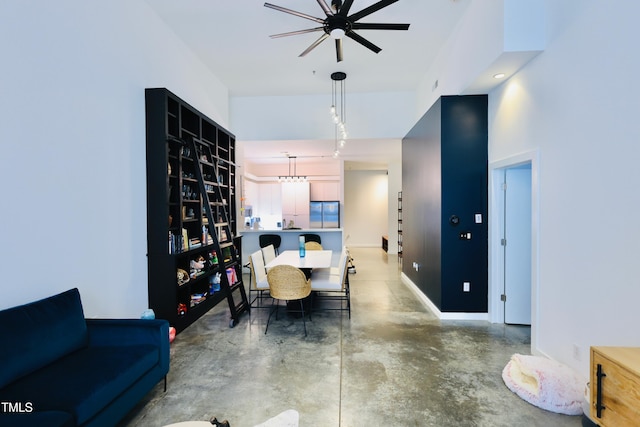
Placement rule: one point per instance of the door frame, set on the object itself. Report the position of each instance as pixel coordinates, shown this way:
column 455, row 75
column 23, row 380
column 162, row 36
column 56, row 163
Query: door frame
column 496, row 260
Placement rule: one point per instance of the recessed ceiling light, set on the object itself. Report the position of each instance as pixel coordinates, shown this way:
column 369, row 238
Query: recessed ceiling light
column 498, row 76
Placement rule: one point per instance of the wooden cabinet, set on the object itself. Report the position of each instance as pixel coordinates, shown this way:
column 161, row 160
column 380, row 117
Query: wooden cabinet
column 615, row 386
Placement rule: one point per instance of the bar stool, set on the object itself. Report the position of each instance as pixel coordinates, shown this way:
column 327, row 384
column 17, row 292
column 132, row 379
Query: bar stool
column 310, row 237
column 265, row 240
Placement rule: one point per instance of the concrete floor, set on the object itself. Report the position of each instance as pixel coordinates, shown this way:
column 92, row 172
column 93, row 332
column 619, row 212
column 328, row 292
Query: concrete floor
column 392, row 364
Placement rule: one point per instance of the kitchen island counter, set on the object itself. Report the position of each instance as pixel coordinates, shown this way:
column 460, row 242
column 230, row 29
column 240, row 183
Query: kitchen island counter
column 332, row 239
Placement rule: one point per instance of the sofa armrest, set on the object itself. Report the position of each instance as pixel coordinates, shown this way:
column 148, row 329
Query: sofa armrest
column 123, row 332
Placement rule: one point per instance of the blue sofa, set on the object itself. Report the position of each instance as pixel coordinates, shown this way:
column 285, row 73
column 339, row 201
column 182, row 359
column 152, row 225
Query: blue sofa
column 59, row 369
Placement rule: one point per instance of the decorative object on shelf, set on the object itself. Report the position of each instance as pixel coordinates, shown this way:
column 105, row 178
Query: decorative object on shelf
column 295, row 177
column 196, row 266
column 183, row 277
column 182, row 309
column 338, row 23
column 214, row 283
column 338, row 111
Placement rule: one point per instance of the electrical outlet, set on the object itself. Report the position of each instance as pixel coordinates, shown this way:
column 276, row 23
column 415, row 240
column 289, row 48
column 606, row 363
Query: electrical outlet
column 466, row 287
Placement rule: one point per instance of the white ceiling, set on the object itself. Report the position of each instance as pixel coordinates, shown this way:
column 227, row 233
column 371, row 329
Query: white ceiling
column 232, row 39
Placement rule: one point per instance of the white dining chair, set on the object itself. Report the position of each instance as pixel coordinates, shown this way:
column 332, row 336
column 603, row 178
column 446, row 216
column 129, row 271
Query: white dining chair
column 268, row 254
column 259, row 284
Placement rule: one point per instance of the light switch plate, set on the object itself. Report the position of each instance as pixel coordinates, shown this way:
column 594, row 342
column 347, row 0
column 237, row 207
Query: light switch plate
column 478, row 218
column 466, row 286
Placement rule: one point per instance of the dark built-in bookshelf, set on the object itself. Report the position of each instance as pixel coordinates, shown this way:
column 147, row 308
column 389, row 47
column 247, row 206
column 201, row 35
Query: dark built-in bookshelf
column 193, row 249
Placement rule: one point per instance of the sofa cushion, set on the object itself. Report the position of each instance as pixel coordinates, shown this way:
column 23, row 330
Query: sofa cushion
column 83, row 382
column 37, row 419
column 39, row 333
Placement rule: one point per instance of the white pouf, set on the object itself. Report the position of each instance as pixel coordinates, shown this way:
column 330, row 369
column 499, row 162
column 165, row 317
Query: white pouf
column 545, row 383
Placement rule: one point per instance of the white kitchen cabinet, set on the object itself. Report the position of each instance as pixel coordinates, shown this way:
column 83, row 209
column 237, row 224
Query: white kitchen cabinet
column 325, row 191
column 269, row 200
column 295, row 203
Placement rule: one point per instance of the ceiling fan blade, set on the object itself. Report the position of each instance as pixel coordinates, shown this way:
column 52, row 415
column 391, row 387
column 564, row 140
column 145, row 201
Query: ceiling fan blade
column 327, row 10
column 295, row 33
column 339, row 50
column 368, row 26
column 369, row 10
column 364, row 42
column 344, row 9
column 315, row 44
column 293, row 12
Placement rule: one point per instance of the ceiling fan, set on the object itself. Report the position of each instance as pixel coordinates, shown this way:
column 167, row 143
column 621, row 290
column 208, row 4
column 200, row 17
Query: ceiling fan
column 339, row 23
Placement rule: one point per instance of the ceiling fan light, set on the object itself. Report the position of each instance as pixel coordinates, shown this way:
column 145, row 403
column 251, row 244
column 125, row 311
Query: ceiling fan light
column 337, row 33
column 336, row 153
column 342, row 143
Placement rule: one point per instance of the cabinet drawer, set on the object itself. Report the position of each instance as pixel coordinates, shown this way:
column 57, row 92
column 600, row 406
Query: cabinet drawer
column 619, row 385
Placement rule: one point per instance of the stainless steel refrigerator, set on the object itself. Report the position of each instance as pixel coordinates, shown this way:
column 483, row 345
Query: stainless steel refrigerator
column 324, row 214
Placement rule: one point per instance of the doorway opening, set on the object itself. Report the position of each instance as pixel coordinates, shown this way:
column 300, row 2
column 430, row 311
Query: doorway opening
column 513, row 241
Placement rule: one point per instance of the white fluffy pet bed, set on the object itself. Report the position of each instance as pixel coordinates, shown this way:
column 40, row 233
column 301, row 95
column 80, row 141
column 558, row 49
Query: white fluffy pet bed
column 545, row 383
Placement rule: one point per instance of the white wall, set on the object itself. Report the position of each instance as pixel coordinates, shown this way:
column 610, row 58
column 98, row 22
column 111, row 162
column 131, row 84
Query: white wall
column 379, row 115
column 366, row 207
column 577, row 104
column 72, row 164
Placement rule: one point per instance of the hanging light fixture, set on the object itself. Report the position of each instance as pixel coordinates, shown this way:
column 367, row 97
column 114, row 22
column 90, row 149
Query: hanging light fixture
column 338, row 110
column 295, row 177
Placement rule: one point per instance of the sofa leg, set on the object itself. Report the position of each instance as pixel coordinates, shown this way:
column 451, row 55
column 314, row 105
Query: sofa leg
column 165, row 383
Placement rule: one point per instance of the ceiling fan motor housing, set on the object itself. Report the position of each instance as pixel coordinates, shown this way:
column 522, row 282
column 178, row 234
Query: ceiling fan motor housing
column 336, row 22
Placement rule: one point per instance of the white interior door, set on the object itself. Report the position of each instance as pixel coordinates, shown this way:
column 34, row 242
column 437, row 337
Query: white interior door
column 517, row 247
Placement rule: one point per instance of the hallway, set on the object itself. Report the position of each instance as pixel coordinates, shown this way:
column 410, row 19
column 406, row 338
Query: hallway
column 392, row 364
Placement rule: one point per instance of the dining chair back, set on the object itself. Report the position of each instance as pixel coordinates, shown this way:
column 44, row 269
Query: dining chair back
column 288, row 283
column 312, row 246
column 259, row 284
column 265, row 240
column 268, row 254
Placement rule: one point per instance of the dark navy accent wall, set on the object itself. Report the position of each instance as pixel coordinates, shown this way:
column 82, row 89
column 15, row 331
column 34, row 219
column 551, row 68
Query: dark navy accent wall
column 444, row 173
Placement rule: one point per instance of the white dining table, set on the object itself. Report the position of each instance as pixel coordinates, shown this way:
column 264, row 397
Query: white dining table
column 312, row 259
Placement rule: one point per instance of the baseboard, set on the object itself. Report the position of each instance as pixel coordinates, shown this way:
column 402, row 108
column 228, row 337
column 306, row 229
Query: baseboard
column 432, row 307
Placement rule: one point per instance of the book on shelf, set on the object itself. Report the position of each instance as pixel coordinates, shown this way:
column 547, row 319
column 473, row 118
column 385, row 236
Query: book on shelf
column 194, row 242
column 176, row 243
column 185, row 240
column 231, row 276
column 198, row 298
